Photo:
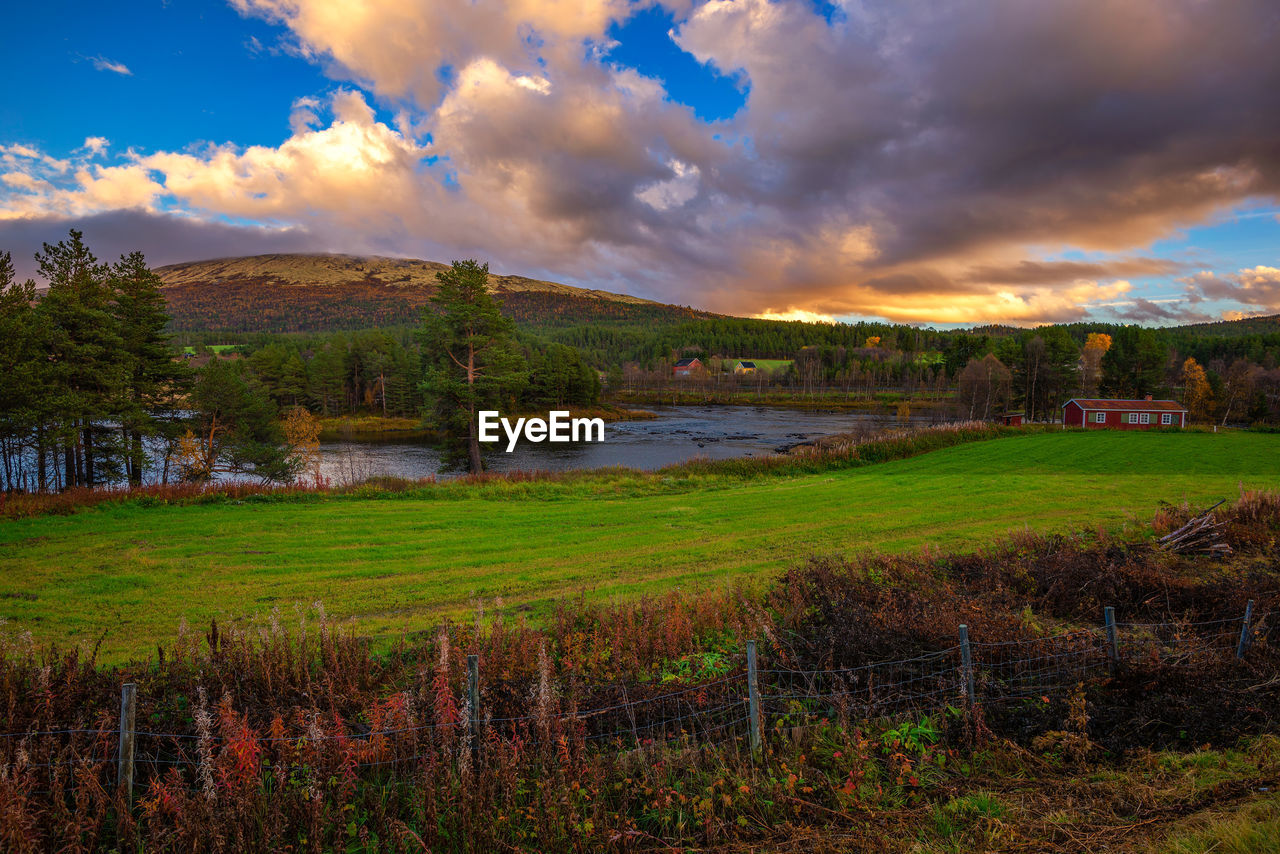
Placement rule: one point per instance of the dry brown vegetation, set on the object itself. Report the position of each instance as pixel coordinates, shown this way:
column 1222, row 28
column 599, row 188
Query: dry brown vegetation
column 595, row 734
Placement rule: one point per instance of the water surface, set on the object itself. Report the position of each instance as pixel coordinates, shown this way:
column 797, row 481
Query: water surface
column 679, row 433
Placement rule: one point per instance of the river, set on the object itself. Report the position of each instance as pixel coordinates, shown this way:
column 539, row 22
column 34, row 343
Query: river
column 679, row 433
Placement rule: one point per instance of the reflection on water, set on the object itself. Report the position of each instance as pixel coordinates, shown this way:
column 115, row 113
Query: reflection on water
column 679, row 433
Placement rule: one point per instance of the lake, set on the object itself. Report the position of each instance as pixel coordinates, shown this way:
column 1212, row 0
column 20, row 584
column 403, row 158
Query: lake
column 678, row 434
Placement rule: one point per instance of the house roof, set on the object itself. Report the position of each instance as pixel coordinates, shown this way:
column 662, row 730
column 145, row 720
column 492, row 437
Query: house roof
column 1126, row 405
column 684, row 363
column 747, row 364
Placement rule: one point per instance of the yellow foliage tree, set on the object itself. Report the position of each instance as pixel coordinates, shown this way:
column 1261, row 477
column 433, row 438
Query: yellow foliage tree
column 302, row 432
column 195, row 458
column 1197, row 396
column 1095, row 347
column 873, row 341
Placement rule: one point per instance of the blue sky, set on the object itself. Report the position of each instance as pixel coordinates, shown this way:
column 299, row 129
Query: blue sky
column 779, row 157
column 195, row 75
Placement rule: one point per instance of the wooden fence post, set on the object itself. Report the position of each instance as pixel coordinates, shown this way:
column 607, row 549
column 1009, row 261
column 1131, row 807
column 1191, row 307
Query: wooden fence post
column 128, row 721
column 753, row 698
column 473, row 698
column 966, row 663
column 1113, row 640
column 1246, row 636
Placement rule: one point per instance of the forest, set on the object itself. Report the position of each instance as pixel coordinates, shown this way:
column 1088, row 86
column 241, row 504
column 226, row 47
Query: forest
column 94, row 390
column 1221, row 377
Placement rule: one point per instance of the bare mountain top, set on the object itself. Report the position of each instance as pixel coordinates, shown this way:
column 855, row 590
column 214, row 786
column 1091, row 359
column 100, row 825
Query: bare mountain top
column 337, row 270
column 310, row 293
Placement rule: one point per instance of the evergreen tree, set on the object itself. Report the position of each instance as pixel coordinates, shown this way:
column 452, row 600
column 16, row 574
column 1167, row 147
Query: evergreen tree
column 155, row 381
column 84, row 350
column 22, row 380
column 470, row 361
column 235, row 430
column 1134, row 366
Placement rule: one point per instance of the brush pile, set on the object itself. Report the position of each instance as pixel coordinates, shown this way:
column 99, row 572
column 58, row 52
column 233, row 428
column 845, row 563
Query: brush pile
column 1201, row 535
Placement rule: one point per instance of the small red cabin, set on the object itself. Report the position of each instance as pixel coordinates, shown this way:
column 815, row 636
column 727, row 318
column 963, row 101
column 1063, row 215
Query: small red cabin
column 1011, row 419
column 687, row 368
column 1145, row 414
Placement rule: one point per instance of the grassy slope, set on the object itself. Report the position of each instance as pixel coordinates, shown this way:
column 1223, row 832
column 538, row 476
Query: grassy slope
column 397, row 563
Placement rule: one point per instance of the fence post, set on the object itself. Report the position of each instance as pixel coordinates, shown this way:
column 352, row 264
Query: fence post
column 128, row 719
column 753, row 698
column 966, row 663
column 1113, row 641
column 1246, row 637
column 473, row 698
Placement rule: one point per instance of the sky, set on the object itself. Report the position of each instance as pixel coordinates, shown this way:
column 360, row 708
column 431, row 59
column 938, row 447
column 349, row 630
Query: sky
column 940, row 162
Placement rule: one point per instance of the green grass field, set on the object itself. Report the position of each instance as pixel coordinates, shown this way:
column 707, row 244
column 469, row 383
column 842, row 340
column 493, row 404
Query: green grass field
column 398, row 563
column 771, row 364
column 215, row 348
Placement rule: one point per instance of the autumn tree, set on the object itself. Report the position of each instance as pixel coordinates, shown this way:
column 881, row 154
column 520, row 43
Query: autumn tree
column 1096, row 346
column 302, row 435
column 985, row 387
column 1237, row 383
column 1197, row 396
column 469, row 357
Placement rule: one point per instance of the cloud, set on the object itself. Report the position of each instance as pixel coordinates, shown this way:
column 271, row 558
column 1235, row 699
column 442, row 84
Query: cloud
column 1054, row 272
column 674, row 191
column 919, row 162
column 1142, row 310
column 1256, row 287
column 164, row 239
column 96, row 144
column 103, row 64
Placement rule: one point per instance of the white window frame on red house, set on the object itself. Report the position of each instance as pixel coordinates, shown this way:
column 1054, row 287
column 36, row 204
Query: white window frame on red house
column 1166, row 418
column 1145, row 418
column 1099, row 418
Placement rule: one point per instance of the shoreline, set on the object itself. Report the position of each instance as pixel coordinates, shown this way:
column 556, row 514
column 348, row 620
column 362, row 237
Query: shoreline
column 836, row 402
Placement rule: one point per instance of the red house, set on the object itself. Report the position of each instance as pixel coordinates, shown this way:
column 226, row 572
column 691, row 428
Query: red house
column 1123, row 414
column 687, row 368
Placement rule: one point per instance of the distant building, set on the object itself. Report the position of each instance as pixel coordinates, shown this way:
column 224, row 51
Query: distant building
column 1011, row 419
column 1143, row 414
column 744, row 368
column 688, row 368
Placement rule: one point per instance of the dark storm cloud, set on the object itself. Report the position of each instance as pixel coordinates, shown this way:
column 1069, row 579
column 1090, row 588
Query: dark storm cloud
column 164, row 239
column 1055, row 272
column 1146, row 311
column 969, row 129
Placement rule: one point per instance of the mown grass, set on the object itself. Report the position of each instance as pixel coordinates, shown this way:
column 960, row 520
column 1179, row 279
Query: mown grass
column 398, row 563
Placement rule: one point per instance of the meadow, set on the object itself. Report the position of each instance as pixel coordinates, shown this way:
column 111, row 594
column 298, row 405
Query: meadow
column 127, row 574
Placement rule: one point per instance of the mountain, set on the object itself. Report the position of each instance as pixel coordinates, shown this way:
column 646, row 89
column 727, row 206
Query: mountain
column 313, row 293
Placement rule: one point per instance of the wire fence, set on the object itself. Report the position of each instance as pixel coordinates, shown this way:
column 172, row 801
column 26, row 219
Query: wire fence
column 708, row 713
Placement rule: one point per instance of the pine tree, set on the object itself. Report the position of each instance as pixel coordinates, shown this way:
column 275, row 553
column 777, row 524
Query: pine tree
column 85, row 354
column 469, row 356
column 21, row 380
column 154, row 379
